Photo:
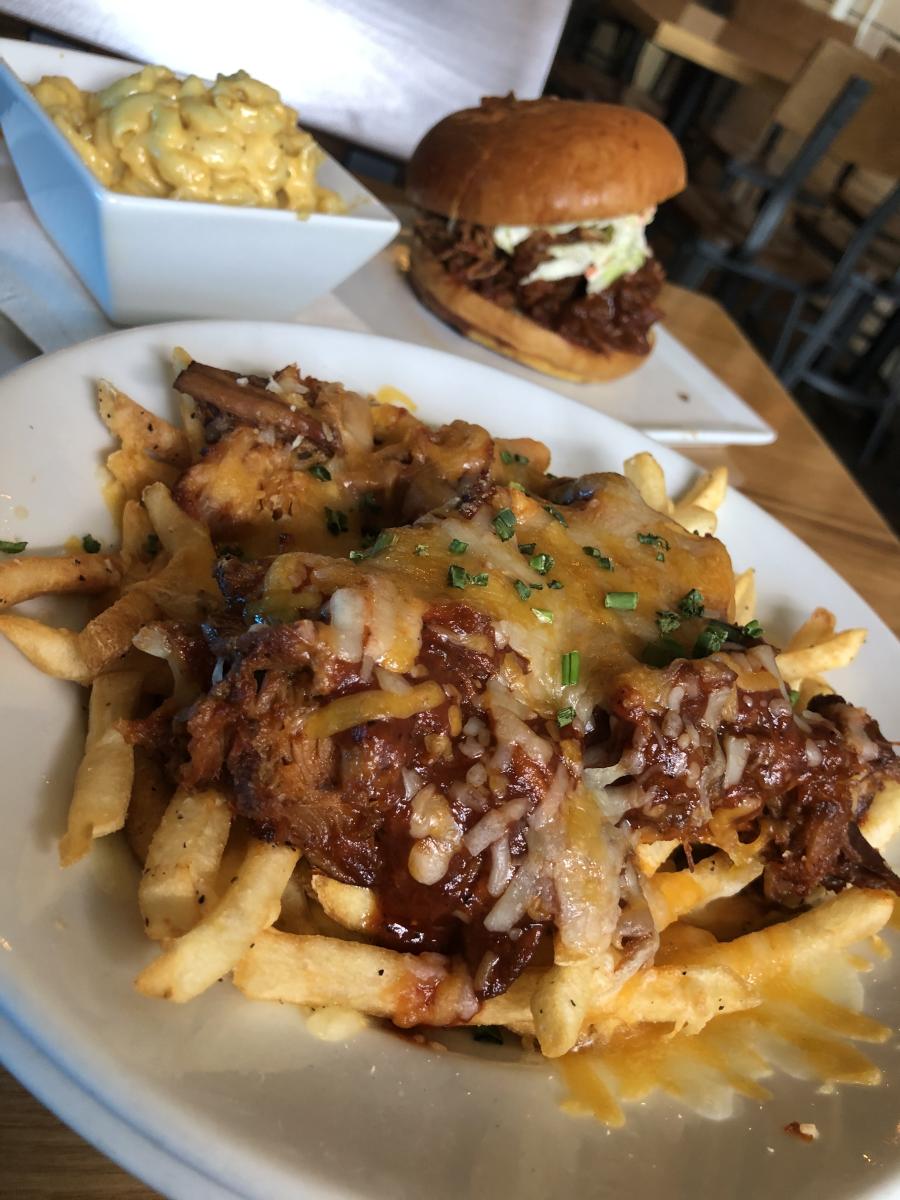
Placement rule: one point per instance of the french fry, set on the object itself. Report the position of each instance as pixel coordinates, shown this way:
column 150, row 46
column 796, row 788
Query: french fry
column 23, row 578
column 192, row 963
column 150, row 796
column 133, row 471
column 109, row 635
column 835, row 651
column 706, row 492
column 745, row 596
column 354, row 908
column 192, row 424
column 562, row 1000
column 672, row 894
column 647, row 476
column 104, row 779
column 882, row 820
column 818, row 627
column 182, row 863
column 184, row 588
column 695, row 519
column 55, row 652
column 834, row 924
column 138, row 428
column 650, row 856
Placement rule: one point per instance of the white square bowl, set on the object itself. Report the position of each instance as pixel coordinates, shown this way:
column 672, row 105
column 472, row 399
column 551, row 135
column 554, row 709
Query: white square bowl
column 146, row 259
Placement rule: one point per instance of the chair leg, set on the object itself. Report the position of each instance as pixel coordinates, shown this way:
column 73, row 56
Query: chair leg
column 882, row 425
column 788, row 329
column 819, row 337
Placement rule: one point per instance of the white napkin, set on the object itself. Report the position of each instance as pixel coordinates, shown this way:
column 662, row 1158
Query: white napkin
column 42, row 296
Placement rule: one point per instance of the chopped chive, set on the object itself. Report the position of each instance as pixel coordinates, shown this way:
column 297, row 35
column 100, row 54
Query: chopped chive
column 504, row 524
column 667, row 621
column 660, row 557
column 691, row 604
column 90, row 544
column 565, row 717
column 480, row 580
column 661, row 652
column 458, row 547
column 793, row 696
column 507, row 457
column 12, row 547
column 522, row 589
column 515, row 485
column 713, row 638
column 320, row 471
column 544, row 615
column 556, row 515
column 335, row 521
column 527, row 548
column 457, row 577
column 383, row 541
column 421, row 549
column 542, row 563
column 600, row 558
column 621, row 601
column 752, row 629
column 570, row 668
column 555, row 584
column 653, row 539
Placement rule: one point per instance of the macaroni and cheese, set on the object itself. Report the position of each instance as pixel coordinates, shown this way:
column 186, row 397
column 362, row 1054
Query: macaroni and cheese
column 153, row 134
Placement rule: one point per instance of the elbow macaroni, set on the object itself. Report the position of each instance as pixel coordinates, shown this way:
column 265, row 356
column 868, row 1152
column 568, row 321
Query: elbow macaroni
column 153, row 134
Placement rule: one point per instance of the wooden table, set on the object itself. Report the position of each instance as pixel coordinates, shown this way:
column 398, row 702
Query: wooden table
column 797, row 479
column 735, row 53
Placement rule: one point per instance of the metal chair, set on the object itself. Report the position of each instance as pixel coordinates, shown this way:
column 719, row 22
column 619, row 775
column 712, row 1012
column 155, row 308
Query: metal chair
column 855, row 126
column 817, row 361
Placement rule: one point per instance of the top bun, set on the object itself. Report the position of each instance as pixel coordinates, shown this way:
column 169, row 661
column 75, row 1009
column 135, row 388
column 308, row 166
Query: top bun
column 544, row 162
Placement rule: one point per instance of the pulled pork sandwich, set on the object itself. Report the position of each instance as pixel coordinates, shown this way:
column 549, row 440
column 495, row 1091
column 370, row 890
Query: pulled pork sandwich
column 532, row 239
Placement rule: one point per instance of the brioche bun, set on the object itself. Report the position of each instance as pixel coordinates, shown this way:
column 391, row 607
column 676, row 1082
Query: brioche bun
column 507, row 331
column 544, row 162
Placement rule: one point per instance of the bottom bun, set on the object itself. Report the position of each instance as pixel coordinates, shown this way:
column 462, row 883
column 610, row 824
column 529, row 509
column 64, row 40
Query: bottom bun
column 509, row 332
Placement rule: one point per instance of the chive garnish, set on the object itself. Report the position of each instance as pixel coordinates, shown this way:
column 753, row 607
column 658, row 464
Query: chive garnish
column 570, row 668
column 556, row 515
column 382, row 542
column 458, row 547
column 555, row 584
column 565, row 717
column 457, row 577
column 542, row 563
column 599, row 557
column 420, row 549
column 667, row 621
column 544, row 615
column 504, row 524
column 653, row 539
column 90, row 544
column 621, row 601
column 507, row 457
column 527, row 548
column 12, row 547
column 691, row 604
column 522, row 589
column 661, row 652
column 320, row 471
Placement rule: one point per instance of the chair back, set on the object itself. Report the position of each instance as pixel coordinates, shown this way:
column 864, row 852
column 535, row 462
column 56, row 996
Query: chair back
column 791, row 22
column 870, row 138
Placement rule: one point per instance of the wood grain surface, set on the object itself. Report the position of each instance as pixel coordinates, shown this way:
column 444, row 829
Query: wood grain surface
column 797, row 479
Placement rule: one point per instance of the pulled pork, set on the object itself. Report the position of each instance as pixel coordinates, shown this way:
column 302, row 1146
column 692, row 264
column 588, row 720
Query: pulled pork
column 616, row 319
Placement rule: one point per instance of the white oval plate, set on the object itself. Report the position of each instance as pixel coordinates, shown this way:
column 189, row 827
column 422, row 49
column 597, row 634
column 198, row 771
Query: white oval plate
column 223, row 1098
